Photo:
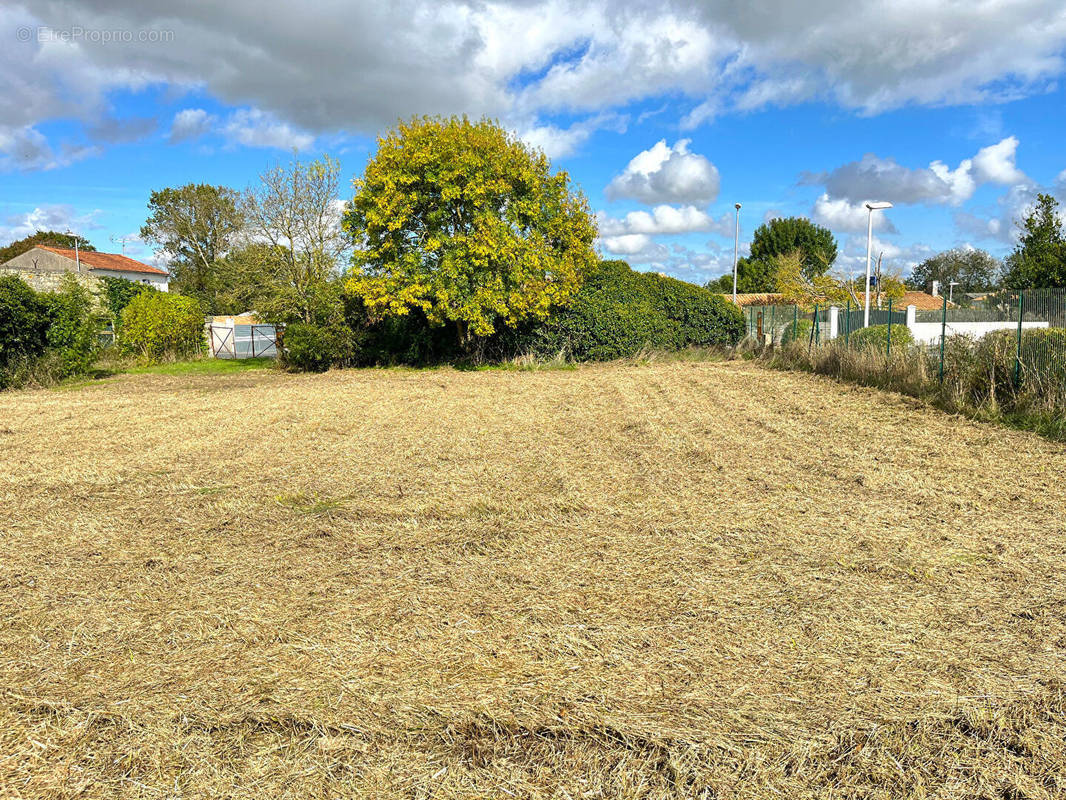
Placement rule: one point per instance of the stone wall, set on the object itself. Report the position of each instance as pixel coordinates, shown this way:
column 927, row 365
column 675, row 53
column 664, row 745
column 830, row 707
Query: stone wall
column 51, row 281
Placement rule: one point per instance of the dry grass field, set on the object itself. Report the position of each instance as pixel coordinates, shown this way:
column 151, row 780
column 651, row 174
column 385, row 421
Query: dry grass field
column 666, row 580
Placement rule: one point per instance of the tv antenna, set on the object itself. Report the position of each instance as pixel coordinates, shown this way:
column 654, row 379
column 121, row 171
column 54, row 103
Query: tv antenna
column 121, row 240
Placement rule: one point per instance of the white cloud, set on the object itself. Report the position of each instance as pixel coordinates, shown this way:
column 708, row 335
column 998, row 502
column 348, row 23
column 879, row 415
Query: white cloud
column 1001, row 222
column 664, row 174
column 637, row 246
column 996, row 163
column 254, row 128
column 841, row 215
column 189, row 124
column 520, row 60
column 664, row 219
column 851, row 259
column 874, row 178
column 558, row 142
column 56, row 217
column 25, row 148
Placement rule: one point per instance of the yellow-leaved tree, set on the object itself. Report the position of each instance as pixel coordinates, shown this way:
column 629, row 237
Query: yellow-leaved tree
column 464, row 221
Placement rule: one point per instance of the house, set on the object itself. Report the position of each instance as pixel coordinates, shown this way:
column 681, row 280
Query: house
column 42, row 266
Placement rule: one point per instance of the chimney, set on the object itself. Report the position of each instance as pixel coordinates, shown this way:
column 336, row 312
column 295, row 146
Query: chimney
column 936, row 289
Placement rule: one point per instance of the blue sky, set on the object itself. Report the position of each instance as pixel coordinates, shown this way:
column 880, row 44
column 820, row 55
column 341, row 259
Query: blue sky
column 664, row 114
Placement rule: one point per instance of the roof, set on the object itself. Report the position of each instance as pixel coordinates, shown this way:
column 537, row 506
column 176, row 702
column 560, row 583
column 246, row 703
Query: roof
column 111, row 261
column 923, row 301
column 757, row 299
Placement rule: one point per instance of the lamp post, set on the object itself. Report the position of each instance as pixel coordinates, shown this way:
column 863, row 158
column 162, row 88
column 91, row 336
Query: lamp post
column 870, row 208
column 77, row 257
column 736, row 248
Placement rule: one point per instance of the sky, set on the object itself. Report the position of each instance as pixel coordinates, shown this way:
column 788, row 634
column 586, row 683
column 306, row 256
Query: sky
column 664, row 113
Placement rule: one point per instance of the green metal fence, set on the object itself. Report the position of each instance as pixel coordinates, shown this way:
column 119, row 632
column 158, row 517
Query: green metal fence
column 1025, row 330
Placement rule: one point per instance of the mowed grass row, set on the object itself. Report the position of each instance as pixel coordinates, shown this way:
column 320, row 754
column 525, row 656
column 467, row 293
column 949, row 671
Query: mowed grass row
column 673, row 580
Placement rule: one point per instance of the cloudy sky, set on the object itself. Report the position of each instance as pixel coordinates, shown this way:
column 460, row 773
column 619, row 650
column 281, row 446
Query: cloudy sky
column 665, row 113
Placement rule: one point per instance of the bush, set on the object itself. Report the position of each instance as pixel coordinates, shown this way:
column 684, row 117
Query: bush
column 73, row 331
column 876, row 336
column 619, row 312
column 24, row 321
column 157, row 326
column 308, row 347
column 799, row 331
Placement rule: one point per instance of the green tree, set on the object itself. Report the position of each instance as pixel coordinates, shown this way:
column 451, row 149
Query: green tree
column 1039, row 259
column 465, row 222
column 295, row 211
column 780, row 237
column 753, row 277
column 973, row 270
column 50, row 238
column 196, row 224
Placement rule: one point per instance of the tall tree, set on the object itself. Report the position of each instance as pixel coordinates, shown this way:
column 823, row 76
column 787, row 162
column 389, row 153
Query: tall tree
column 196, row 225
column 464, row 221
column 972, row 270
column 296, row 210
column 780, row 237
column 51, row 238
column 1039, row 259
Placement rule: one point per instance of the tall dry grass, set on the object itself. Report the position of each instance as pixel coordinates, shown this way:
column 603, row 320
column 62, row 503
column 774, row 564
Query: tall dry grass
column 979, row 377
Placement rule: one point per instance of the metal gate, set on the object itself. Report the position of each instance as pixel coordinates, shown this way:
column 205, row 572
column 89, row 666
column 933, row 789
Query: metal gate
column 243, row 341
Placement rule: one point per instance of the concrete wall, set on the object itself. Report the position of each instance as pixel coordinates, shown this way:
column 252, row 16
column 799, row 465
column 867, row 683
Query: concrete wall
column 157, row 281
column 929, row 332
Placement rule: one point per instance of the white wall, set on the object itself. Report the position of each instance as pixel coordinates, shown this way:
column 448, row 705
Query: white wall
column 159, row 282
column 929, row 332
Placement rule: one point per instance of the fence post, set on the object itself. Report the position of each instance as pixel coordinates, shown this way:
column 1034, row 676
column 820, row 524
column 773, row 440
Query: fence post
column 1018, row 346
column 795, row 321
column 847, row 326
column 943, row 335
column 888, row 345
column 773, row 321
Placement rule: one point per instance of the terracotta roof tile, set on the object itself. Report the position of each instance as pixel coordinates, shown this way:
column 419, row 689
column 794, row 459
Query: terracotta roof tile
column 112, row 261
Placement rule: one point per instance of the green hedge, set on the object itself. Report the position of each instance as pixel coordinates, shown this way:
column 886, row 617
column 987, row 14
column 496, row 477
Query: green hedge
column 24, row 320
column 618, row 312
column 45, row 336
column 157, row 326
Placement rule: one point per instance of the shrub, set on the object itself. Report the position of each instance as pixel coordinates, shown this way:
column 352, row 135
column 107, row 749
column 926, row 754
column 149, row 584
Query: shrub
column 73, row 329
column 307, row 347
column 618, row 312
column 876, row 336
column 799, row 331
column 157, row 326
column 24, row 323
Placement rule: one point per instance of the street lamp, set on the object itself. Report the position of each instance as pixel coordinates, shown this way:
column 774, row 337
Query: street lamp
column 870, row 207
column 736, row 248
